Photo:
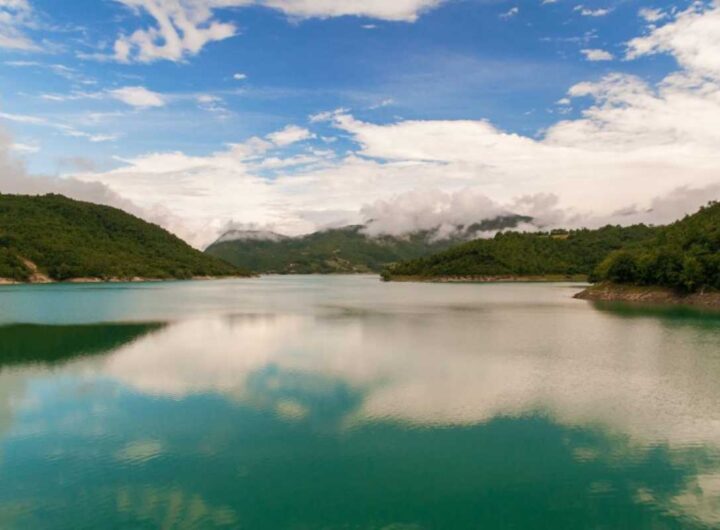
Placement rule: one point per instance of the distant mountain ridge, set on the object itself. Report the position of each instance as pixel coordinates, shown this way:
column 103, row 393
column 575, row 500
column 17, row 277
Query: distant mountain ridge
column 343, row 250
column 53, row 238
column 250, row 235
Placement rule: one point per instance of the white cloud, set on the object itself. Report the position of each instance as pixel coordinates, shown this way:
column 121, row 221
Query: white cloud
column 14, row 16
column 23, row 118
column 693, row 38
column 587, row 12
column 381, row 104
column 512, row 12
column 396, row 10
column 326, row 115
column 290, row 135
column 651, row 15
column 138, row 96
column 183, row 27
column 63, row 128
column 25, row 148
column 240, row 77
column 594, row 54
column 61, row 70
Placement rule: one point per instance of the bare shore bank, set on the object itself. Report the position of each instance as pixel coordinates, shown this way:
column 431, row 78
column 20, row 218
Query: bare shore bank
column 489, row 279
column 649, row 296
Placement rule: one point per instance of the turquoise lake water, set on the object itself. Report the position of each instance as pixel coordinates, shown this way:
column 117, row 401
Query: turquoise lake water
column 346, row 403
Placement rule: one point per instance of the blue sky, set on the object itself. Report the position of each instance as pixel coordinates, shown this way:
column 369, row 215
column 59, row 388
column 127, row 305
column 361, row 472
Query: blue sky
column 80, row 94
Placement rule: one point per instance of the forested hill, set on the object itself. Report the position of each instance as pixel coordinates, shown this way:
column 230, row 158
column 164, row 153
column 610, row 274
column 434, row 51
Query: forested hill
column 512, row 254
column 53, row 237
column 342, row 250
column 684, row 256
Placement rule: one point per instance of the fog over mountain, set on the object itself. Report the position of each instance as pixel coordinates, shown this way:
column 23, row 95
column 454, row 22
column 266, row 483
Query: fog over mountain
column 407, row 213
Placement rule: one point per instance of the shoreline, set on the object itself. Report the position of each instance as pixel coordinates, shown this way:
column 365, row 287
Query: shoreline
column 551, row 278
column 82, row 281
column 649, row 296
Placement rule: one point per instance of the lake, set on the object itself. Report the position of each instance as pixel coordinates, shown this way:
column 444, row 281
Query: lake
column 346, row 403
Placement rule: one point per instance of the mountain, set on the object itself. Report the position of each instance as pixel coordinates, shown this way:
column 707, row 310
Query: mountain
column 341, row 250
column 51, row 237
column 250, row 235
column 512, row 254
column 684, row 256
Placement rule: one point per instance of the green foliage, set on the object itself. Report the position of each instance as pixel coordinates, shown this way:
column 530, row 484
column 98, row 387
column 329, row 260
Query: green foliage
column 683, row 256
column 68, row 239
column 335, row 251
column 575, row 252
column 11, row 267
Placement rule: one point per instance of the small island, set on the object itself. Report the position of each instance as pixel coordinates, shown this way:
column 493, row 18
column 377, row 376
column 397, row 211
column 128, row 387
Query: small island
column 51, row 238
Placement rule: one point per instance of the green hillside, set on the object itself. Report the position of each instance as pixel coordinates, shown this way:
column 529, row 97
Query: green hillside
column 64, row 239
column 557, row 253
column 684, row 256
column 344, row 250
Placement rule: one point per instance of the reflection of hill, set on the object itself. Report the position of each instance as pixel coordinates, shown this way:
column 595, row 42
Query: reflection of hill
column 675, row 315
column 33, row 344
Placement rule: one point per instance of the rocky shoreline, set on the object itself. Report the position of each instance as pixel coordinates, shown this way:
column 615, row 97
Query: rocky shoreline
column 649, row 296
column 488, row 279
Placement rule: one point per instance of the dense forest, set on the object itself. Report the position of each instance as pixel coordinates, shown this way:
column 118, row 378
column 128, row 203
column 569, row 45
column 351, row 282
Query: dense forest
column 342, row 250
column 684, row 256
column 64, row 239
column 556, row 253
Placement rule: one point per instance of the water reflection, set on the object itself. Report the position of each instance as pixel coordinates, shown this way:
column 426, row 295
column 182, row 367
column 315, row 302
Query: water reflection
column 24, row 344
column 633, row 376
column 510, row 408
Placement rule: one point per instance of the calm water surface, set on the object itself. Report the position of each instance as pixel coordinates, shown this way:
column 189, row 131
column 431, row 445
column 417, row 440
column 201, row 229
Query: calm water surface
column 345, row 403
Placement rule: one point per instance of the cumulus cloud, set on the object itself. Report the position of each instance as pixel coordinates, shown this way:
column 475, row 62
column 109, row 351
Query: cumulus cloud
column 693, row 38
column 594, row 54
column 138, row 96
column 183, row 27
column 290, row 135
